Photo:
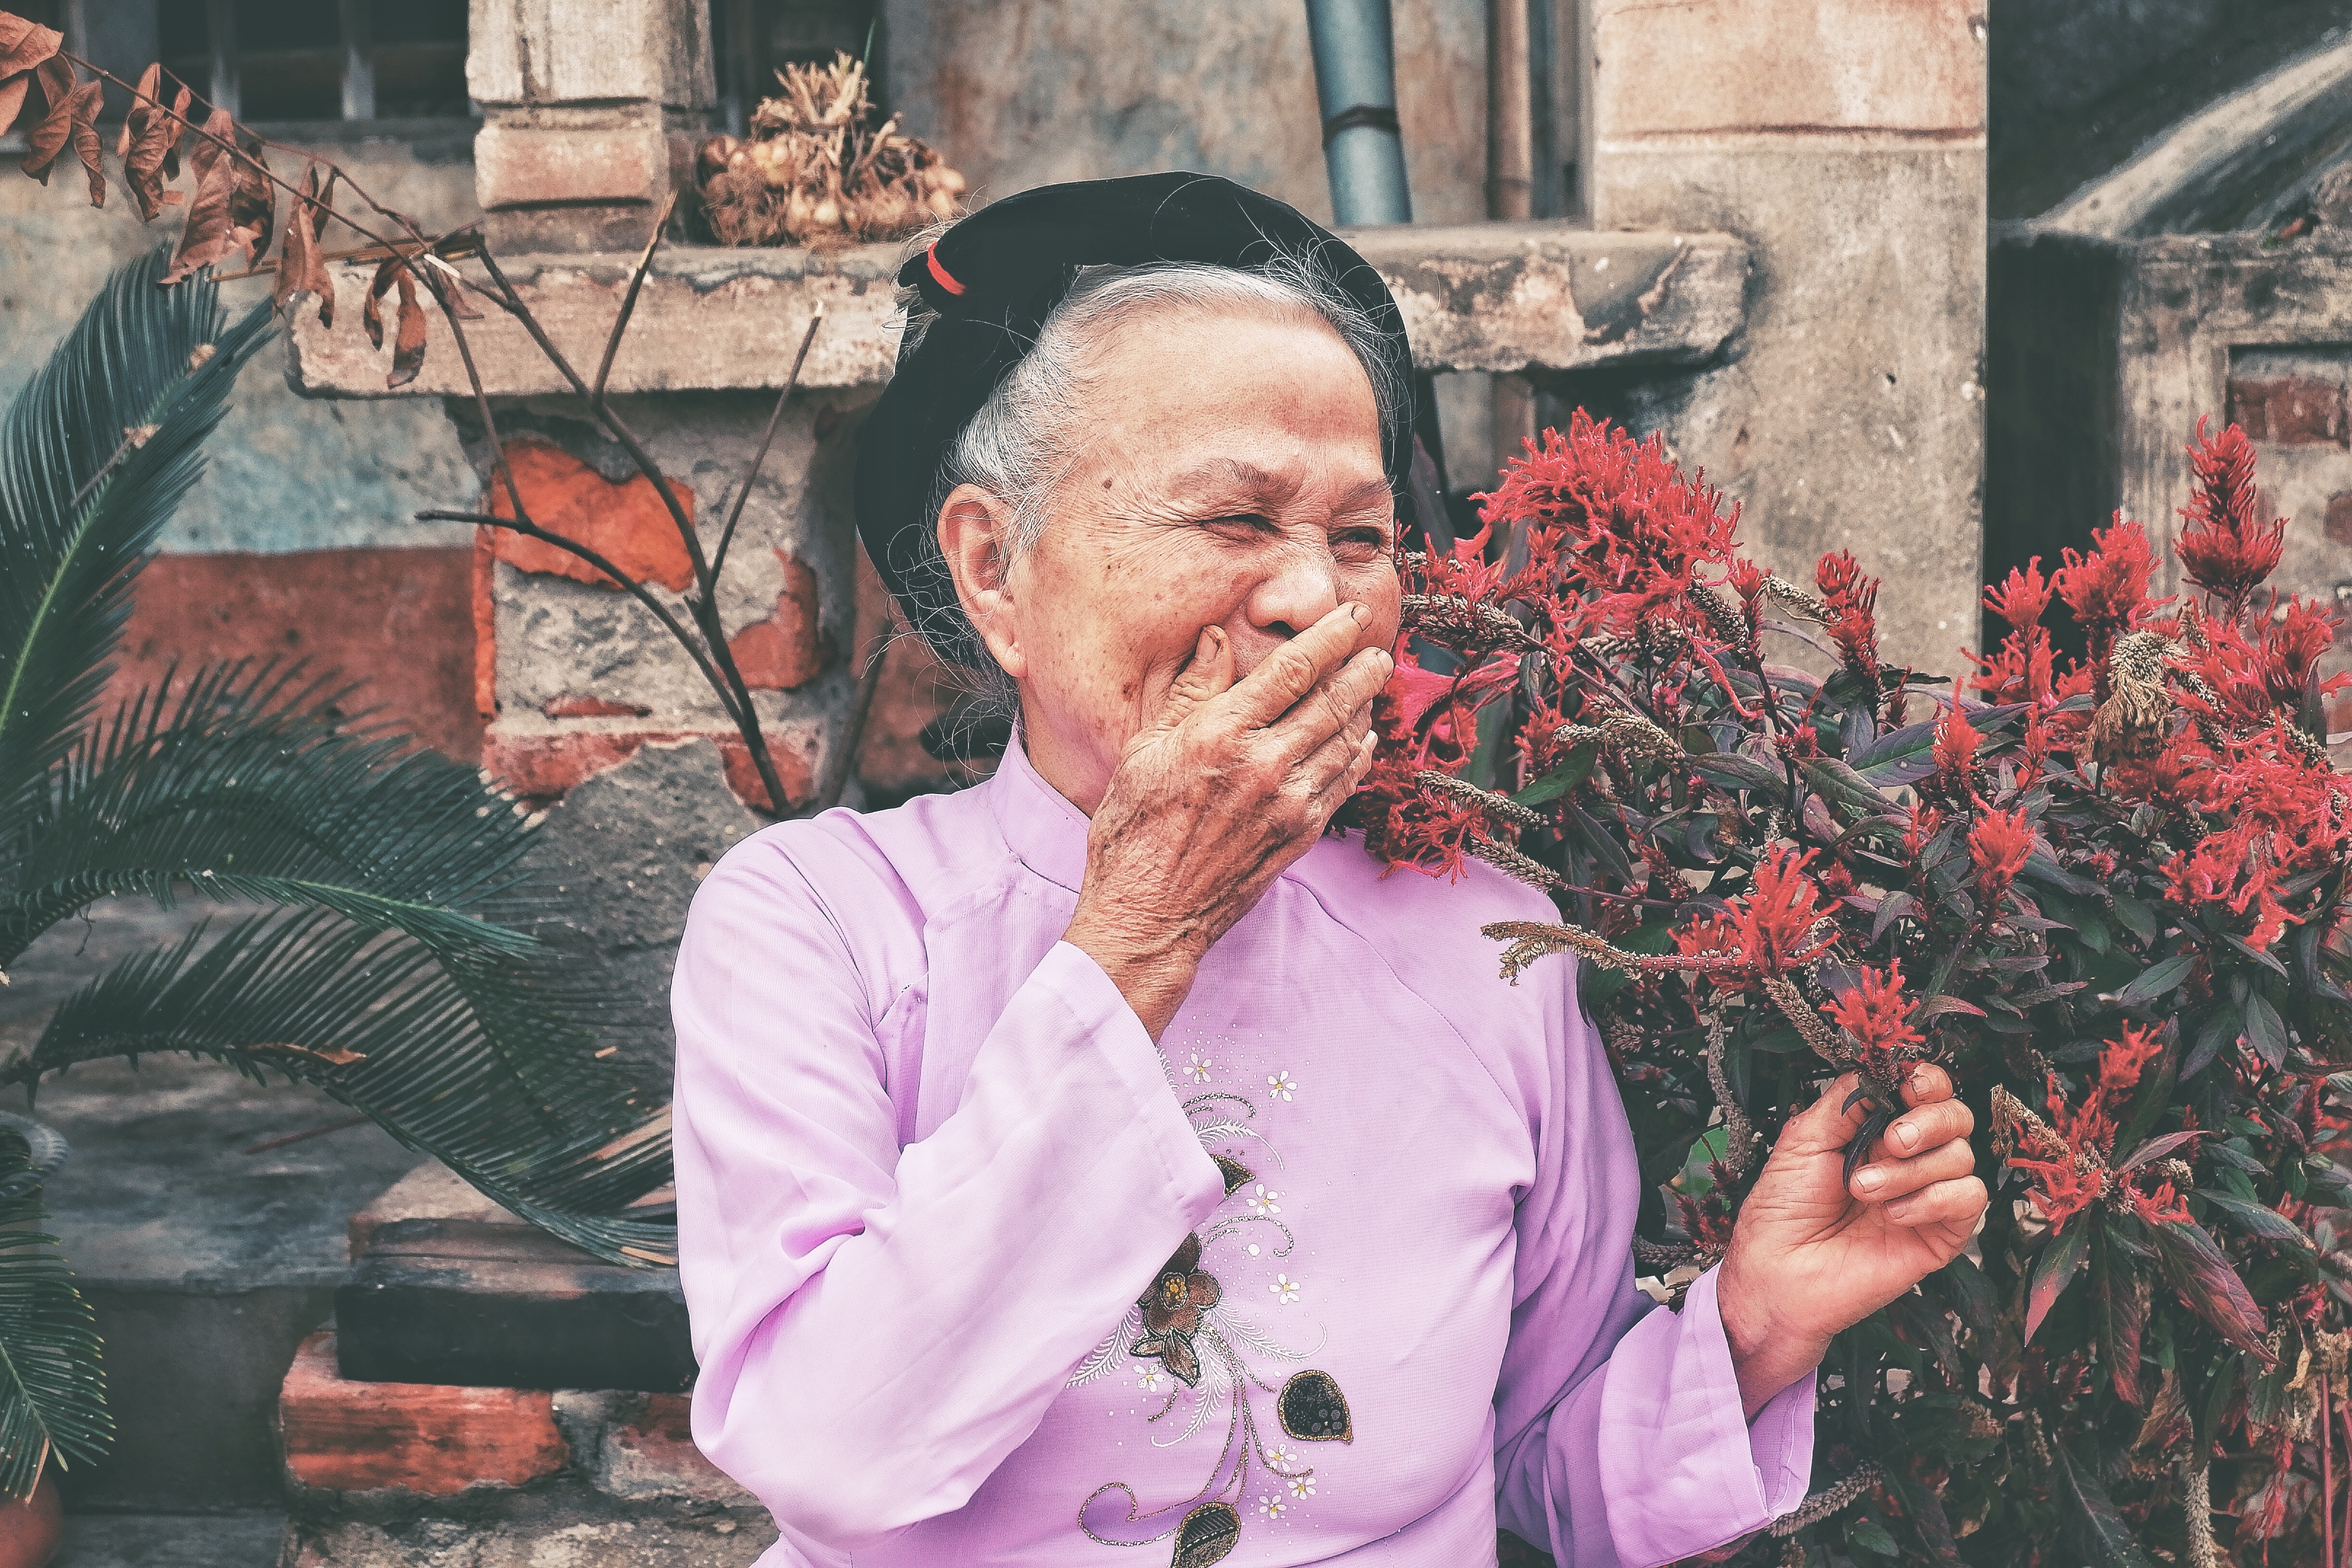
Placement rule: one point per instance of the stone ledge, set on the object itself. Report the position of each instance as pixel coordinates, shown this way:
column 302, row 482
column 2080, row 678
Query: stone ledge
column 1480, row 297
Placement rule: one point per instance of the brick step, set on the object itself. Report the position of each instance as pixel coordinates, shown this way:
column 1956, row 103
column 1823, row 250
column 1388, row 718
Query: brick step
column 406, row 1475
column 449, row 1288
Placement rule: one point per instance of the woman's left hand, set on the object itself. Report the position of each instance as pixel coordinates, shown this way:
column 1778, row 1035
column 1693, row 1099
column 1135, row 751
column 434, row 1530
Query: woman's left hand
column 1809, row 1257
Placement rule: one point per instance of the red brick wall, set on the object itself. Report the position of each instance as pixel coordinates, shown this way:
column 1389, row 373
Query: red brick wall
column 400, row 622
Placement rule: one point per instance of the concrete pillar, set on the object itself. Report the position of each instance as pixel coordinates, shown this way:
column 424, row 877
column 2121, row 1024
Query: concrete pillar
column 590, row 108
column 1845, row 141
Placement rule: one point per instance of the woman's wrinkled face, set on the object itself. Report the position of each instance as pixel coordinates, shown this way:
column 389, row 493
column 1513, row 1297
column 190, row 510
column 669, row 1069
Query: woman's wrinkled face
column 1229, row 474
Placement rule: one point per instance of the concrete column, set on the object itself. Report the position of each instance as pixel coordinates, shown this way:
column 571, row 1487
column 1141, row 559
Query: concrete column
column 1845, row 141
column 590, row 108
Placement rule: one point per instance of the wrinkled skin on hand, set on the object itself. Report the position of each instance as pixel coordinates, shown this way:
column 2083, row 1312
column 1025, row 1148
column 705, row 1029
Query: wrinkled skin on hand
column 1812, row 1255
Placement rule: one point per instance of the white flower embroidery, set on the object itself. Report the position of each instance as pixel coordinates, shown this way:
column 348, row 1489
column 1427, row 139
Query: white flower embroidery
column 1302, row 1486
column 1198, row 1071
column 1281, row 1085
column 1273, row 1507
column 1150, row 1379
column 1281, row 1458
column 1284, row 1288
column 1262, row 1201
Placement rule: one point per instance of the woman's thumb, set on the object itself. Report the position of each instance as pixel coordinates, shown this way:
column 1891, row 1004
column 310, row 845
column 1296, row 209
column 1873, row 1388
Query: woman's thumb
column 1208, row 673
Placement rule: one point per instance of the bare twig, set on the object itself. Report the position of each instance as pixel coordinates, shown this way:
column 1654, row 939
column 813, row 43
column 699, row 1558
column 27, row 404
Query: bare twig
column 727, row 534
column 704, row 604
column 629, row 300
column 843, row 760
column 620, row 579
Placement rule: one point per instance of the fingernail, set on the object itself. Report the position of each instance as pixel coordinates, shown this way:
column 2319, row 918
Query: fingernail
column 1358, row 614
column 1870, row 1178
column 1907, row 1134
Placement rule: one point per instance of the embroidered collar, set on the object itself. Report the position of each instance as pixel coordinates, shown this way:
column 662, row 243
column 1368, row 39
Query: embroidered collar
column 1045, row 830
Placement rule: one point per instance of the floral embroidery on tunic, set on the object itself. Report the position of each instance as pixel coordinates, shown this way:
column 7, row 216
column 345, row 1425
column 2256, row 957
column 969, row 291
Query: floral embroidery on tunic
column 1185, row 1336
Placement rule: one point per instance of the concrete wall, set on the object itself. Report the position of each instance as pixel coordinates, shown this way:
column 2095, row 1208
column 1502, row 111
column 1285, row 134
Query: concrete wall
column 1027, row 92
column 1845, row 141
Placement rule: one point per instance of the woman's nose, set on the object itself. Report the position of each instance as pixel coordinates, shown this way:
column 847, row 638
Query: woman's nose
column 1303, row 590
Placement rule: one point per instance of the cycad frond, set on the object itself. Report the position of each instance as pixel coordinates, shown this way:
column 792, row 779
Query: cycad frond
column 252, row 786
column 52, row 1388
column 426, row 1047
column 80, row 505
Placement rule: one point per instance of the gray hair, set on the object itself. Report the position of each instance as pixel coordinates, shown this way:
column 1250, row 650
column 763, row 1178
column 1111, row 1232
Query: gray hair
column 1024, row 438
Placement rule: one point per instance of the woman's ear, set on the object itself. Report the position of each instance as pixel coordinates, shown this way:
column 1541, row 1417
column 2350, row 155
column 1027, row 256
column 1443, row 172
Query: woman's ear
column 976, row 538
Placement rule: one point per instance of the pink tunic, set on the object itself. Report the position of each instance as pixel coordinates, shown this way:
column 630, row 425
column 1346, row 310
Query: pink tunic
column 1339, row 1273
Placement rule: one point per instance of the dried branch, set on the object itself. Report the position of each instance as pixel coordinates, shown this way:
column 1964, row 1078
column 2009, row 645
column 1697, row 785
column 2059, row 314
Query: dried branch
column 743, row 491
column 629, row 300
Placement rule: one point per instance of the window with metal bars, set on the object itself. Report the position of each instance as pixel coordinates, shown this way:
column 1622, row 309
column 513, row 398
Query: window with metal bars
column 756, row 38
column 271, row 61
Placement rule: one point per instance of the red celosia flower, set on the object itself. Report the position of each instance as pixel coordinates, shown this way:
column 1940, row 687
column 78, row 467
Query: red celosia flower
column 1956, row 753
column 2162, row 1206
column 1625, row 527
column 2224, row 550
column 2022, row 597
column 1853, row 600
column 1708, row 937
column 2291, row 648
column 1776, row 919
column 2123, row 1063
column 2064, row 1188
column 2107, row 588
column 1876, row 1012
column 1999, row 843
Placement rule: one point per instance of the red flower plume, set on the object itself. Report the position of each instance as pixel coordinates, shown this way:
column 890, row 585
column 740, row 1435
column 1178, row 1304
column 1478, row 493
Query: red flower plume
column 2224, row 550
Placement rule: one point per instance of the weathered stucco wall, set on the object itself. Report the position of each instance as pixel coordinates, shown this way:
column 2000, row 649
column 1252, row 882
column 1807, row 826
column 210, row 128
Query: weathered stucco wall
column 296, row 544
column 1027, row 92
column 1844, row 141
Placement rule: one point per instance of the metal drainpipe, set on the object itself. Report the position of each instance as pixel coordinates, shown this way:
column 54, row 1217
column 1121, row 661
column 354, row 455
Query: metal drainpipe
column 1355, row 86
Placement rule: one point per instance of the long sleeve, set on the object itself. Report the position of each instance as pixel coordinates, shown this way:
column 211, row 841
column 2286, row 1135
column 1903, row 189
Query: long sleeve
column 1619, row 1439
column 878, row 1327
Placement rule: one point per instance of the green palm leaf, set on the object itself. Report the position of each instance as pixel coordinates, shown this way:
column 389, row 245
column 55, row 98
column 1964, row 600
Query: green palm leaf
column 252, row 785
column 80, row 502
column 52, row 1388
column 388, row 1025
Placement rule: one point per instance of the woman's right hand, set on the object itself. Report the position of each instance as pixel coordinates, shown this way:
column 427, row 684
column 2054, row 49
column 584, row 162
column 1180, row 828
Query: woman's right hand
column 1231, row 782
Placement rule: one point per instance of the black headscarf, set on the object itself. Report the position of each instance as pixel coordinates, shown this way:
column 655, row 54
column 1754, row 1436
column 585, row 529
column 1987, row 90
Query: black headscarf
column 994, row 278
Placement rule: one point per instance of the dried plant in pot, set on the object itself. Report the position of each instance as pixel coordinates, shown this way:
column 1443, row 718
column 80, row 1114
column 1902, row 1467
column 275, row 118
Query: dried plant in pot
column 816, row 171
column 2107, row 894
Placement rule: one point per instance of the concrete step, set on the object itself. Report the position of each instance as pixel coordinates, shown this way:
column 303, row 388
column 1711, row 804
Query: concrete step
column 449, row 1288
column 249, row 1539
column 208, row 1242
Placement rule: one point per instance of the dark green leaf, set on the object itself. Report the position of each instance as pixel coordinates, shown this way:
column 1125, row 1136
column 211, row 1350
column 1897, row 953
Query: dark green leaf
column 2206, row 1283
column 2138, row 917
column 2055, row 1269
column 1733, row 770
column 2093, row 1529
column 2156, row 980
column 2254, row 1219
column 1571, row 771
column 2265, row 1031
column 1871, row 1536
column 1843, row 788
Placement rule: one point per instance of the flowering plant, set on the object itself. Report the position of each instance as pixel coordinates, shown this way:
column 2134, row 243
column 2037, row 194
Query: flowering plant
column 2106, row 893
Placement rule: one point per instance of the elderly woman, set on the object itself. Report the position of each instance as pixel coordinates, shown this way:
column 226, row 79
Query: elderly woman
column 1106, row 1156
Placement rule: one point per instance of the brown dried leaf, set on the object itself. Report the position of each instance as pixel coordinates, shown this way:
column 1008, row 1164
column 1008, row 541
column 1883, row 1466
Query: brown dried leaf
column 372, row 313
column 180, row 102
column 24, row 44
column 55, row 79
column 150, row 134
column 207, row 236
column 12, row 99
column 83, row 106
column 252, row 202
column 408, row 348
column 300, row 268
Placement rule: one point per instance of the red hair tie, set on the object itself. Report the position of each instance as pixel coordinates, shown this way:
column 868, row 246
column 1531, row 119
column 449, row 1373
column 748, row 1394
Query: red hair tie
column 939, row 272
